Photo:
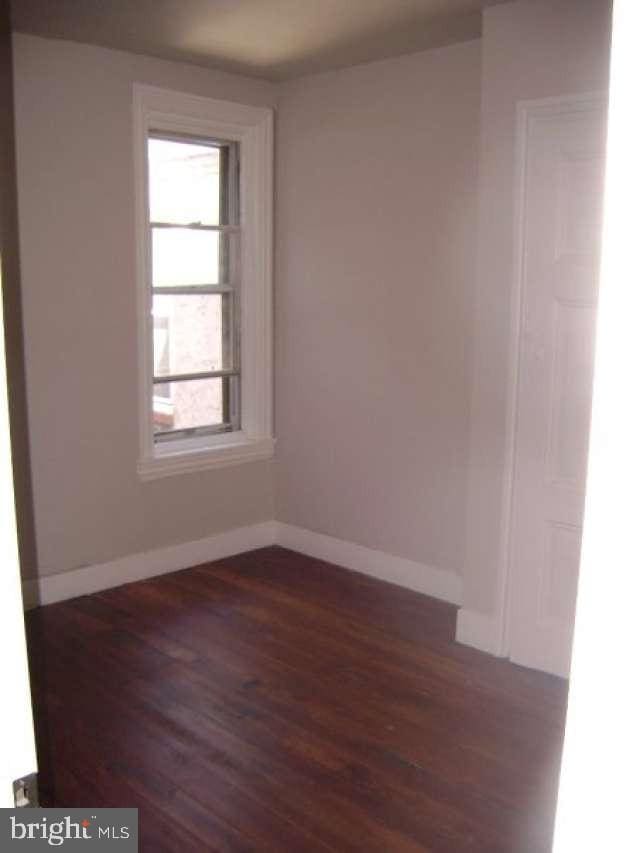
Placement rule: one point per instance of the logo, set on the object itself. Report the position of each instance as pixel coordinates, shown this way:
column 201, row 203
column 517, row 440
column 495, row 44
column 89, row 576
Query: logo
column 41, row 829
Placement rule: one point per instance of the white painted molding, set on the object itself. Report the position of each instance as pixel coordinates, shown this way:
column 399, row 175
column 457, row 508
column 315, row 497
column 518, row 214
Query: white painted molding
column 251, row 127
column 419, row 577
column 83, row 581
column 479, row 630
column 527, row 114
column 59, row 587
column 231, row 453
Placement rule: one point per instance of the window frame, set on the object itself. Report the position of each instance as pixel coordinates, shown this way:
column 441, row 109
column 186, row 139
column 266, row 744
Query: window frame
column 158, row 111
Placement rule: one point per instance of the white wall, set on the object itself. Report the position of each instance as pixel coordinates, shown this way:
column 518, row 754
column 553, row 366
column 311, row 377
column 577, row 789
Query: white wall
column 75, row 180
column 376, row 191
column 537, row 49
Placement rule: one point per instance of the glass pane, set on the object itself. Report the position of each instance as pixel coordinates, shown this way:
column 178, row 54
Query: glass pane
column 189, row 334
column 194, row 403
column 182, row 257
column 184, row 182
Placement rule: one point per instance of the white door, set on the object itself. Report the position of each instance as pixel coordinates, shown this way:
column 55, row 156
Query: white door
column 17, row 748
column 564, row 150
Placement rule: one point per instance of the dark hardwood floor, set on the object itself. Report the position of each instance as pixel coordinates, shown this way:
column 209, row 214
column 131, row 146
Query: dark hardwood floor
column 274, row 702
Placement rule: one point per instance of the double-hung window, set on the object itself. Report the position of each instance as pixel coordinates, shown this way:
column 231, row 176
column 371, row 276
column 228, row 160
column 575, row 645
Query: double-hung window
column 204, row 177
column 195, row 280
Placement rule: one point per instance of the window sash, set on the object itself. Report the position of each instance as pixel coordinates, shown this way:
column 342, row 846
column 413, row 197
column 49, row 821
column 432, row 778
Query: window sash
column 192, row 289
column 196, row 226
column 188, row 377
column 228, row 263
column 191, row 432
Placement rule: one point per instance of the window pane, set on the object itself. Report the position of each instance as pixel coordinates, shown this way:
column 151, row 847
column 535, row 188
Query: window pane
column 188, row 334
column 195, row 403
column 184, row 182
column 160, row 351
column 182, row 257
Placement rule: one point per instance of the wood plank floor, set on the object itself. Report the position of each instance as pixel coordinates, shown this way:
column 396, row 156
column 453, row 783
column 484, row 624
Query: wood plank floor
column 273, row 702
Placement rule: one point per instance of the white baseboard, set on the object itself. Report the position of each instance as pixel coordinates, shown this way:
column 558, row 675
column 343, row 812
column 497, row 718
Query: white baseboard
column 59, row 587
column 480, row 631
column 416, row 576
column 412, row 575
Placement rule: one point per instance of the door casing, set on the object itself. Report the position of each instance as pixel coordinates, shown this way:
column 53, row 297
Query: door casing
column 527, row 112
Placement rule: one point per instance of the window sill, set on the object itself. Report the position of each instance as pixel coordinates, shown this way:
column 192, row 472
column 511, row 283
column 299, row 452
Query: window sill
column 231, row 449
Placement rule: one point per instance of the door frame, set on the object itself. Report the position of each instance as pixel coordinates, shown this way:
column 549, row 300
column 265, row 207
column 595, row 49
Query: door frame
column 528, row 112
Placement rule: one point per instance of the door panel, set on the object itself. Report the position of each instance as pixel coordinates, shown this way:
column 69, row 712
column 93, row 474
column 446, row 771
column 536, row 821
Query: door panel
column 573, row 327
column 17, row 748
column 560, row 268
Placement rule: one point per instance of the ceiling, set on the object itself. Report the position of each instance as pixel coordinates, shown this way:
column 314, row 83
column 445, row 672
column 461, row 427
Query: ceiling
column 274, row 39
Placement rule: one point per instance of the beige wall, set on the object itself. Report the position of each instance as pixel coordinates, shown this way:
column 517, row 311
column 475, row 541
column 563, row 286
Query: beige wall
column 75, row 178
column 536, row 49
column 376, row 190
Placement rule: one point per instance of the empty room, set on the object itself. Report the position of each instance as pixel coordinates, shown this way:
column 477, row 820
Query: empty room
column 300, row 318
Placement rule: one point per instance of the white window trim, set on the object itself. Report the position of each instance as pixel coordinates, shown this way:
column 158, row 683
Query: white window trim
column 252, row 128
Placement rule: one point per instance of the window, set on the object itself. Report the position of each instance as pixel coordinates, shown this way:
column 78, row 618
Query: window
column 193, row 231
column 203, row 175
